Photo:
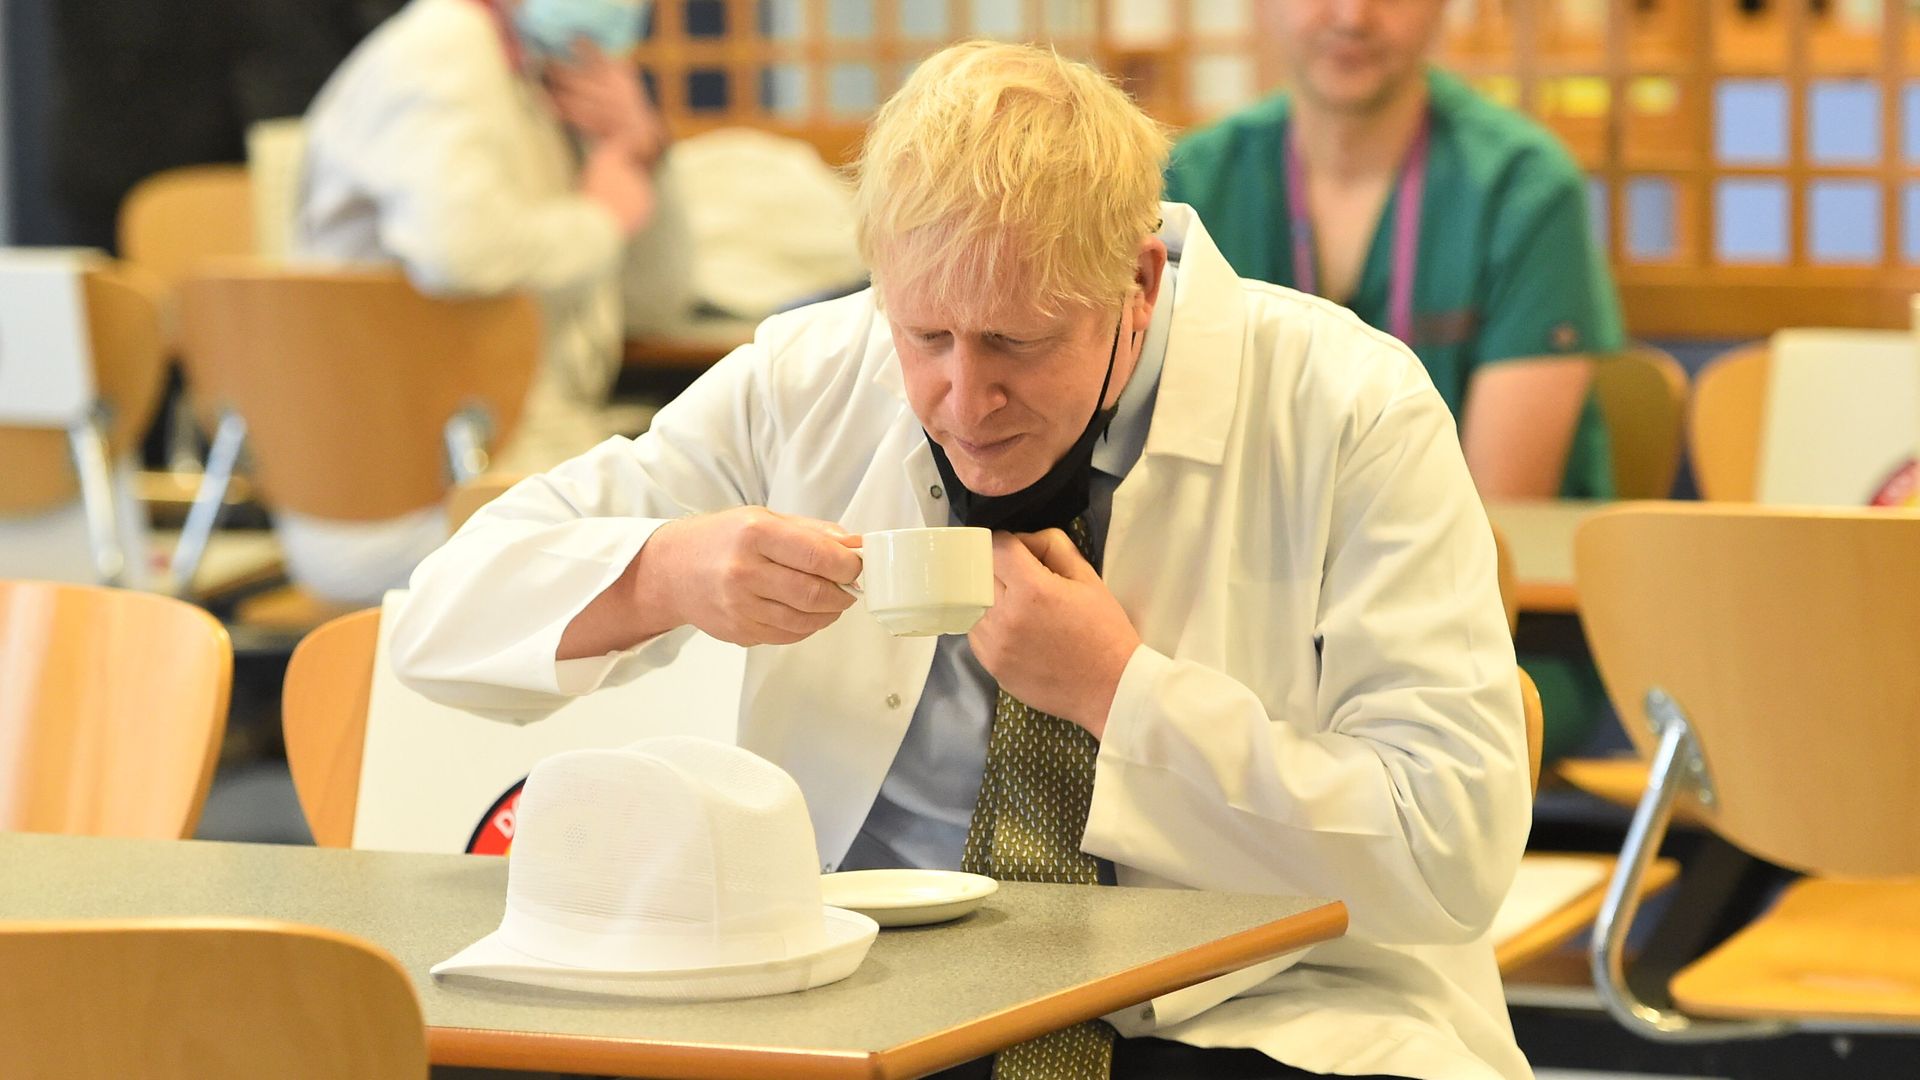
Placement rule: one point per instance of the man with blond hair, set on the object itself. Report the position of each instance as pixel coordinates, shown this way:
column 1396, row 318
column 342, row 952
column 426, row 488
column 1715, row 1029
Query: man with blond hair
column 1246, row 636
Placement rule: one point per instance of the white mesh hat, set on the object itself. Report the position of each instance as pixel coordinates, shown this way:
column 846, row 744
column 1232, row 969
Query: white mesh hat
column 674, row 868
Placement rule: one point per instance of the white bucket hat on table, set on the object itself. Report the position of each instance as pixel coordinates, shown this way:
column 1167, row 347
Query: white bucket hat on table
column 674, row 868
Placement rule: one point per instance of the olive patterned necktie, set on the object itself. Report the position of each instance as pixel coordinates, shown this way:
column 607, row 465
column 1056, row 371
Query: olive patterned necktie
column 1027, row 826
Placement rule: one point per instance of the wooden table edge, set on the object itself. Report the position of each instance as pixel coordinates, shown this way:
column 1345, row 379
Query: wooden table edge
column 676, row 354
column 1096, row 999
column 483, row 1048
column 1547, row 597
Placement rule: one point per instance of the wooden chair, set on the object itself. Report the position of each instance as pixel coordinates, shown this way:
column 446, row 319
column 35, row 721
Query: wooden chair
column 1621, row 781
column 47, row 468
column 360, row 398
column 1643, row 395
column 171, row 224
column 112, row 704
column 174, row 221
column 1536, row 718
column 1509, row 584
column 1763, row 659
column 1729, row 416
column 204, row 999
column 323, row 711
column 1567, row 913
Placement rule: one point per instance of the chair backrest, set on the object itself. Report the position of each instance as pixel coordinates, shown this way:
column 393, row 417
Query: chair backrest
column 1643, row 395
column 129, row 360
column 1536, row 718
column 112, row 707
column 1529, row 693
column 1507, row 576
column 204, row 999
column 324, row 714
column 173, row 221
column 476, row 493
column 1788, row 640
column 1728, row 418
column 347, row 378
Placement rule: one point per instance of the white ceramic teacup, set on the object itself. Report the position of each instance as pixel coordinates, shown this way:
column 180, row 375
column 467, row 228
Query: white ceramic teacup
column 919, row 582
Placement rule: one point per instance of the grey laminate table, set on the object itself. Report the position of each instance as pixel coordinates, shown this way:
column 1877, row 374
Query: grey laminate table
column 1033, row 959
column 1540, row 536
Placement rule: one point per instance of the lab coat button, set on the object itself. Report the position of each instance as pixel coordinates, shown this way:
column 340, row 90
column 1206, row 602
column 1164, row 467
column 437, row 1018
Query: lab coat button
column 893, row 701
column 936, row 492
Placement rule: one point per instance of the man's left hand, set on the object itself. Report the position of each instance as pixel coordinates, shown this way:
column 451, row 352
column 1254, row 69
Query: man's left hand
column 600, row 96
column 1055, row 638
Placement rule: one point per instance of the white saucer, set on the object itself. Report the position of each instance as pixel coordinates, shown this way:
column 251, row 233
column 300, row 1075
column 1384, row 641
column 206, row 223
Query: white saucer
column 906, row 897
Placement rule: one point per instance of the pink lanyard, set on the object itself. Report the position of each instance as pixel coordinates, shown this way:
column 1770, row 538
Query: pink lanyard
column 1406, row 230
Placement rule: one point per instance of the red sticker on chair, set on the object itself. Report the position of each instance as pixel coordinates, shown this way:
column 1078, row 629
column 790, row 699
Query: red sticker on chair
column 1900, row 488
column 494, row 835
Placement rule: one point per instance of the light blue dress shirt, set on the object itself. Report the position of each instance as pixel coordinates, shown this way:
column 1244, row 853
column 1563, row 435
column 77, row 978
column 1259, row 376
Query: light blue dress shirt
column 920, row 817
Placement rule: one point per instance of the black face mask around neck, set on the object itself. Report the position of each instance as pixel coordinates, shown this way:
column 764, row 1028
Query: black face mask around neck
column 1052, row 501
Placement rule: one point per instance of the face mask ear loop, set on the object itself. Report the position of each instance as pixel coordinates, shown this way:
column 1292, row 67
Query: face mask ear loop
column 1100, row 403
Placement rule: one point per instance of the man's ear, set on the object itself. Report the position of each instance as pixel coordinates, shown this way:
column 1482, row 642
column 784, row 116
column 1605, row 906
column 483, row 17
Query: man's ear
column 1149, row 268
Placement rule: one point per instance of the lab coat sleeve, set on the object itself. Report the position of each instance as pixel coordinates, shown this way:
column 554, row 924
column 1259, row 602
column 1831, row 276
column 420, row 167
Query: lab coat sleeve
column 1406, row 793
column 483, row 622
column 438, row 157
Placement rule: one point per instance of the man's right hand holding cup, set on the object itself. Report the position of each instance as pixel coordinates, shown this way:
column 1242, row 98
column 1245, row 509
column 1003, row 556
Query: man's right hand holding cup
column 749, row 576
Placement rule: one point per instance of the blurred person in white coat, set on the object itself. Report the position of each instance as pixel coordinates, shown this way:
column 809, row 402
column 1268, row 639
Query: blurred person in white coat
column 489, row 147
column 1281, row 656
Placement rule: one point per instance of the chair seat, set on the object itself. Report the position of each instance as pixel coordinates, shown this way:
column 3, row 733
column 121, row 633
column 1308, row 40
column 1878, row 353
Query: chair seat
column 1554, row 897
column 1622, row 781
column 236, row 561
column 288, row 608
column 169, row 495
column 1833, row 950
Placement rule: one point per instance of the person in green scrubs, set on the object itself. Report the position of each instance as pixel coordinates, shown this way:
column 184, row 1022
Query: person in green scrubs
column 1457, row 225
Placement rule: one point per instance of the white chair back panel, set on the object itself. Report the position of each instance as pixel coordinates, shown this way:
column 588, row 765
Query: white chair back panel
column 46, row 349
column 1843, row 416
column 276, row 159
column 433, row 777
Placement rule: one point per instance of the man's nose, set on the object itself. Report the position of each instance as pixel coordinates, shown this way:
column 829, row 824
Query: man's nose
column 1353, row 14
column 976, row 391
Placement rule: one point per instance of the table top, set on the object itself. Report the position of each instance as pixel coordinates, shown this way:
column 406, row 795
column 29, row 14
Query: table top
column 1540, row 536
column 1033, row 958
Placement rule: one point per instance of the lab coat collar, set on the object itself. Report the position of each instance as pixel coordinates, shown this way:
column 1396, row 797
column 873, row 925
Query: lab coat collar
column 1200, row 383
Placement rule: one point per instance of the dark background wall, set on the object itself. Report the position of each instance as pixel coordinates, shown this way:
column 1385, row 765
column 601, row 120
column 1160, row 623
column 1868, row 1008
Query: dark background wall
column 101, row 93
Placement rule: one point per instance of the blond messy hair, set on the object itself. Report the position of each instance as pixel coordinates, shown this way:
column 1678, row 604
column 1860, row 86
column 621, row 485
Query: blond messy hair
column 1012, row 165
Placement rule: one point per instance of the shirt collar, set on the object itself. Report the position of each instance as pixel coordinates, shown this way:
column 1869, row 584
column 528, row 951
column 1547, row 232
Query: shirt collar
column 1116, row 454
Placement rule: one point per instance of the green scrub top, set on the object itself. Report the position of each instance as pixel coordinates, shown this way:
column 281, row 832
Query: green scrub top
column 1507, row 262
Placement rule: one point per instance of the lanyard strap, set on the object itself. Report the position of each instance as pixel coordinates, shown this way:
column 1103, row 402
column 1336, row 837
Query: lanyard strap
column 1406, row 229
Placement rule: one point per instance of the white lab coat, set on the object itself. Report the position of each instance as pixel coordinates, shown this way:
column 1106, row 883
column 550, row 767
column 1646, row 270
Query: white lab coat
column 1325, row 703
column 428, row 150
